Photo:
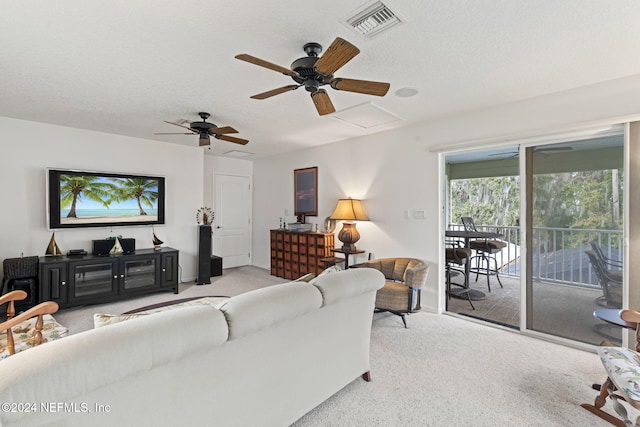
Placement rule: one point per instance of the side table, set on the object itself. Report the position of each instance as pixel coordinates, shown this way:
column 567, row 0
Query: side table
column 346, row 255
column 328, row 262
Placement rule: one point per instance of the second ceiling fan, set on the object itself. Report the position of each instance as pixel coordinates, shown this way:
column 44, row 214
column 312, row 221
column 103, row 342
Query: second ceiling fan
column 313, row 71
column 205, row 130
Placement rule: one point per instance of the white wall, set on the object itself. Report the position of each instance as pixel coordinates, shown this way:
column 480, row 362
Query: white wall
column 392, row 172
column 28, row 148
column 395, row 171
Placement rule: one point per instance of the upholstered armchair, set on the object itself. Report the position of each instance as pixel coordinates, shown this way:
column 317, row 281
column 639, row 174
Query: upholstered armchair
column 405, row 278
column 623, row 380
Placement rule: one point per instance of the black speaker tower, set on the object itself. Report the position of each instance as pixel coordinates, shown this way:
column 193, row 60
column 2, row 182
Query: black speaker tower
column 204, row 255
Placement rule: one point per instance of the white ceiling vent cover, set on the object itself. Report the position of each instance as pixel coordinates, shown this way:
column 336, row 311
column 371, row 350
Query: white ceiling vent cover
column 365, row 116
column 373, row 20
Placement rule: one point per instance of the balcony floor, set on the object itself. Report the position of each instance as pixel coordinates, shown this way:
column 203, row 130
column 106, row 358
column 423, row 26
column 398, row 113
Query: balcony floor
column 561, row 310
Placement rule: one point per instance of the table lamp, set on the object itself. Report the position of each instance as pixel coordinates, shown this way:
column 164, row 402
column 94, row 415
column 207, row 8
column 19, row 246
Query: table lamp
column 349, row 210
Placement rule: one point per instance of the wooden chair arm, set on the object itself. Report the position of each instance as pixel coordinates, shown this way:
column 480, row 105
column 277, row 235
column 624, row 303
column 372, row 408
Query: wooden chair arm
column 13, row 296
column 10, row 297
column 48, row 307
column 632, row 316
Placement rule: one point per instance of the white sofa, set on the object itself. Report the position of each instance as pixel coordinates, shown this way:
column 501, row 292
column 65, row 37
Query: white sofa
column 265, row 358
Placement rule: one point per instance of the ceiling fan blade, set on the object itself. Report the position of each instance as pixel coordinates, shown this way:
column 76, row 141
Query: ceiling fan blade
column 266, row 64
column 361, row 86
column 204, row 140
column 232, row 139
column 273, row 92
column 177, row 124
column 173, row 133
column 322, row 102
column 339, row 53
column 223, row 129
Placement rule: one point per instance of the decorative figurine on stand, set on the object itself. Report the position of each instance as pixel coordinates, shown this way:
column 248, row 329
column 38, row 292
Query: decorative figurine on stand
column 117, row 248
column 204, row 216
column 157, row 243
column 52, row 248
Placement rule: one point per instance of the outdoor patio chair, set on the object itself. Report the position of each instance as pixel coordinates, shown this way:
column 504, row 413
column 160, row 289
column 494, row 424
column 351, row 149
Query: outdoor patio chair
column 610, row 283
column 485, row 250
column 456, row 255
column 613, row 264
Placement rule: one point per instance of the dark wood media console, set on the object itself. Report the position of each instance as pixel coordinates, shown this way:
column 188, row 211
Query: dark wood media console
column 91, row 279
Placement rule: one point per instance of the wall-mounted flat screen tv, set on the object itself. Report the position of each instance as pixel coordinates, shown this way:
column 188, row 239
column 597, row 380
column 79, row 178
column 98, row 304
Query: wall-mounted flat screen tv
column 98, row 199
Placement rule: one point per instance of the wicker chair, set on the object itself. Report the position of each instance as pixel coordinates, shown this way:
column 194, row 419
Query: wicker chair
column 400, row 294
column 21, row 274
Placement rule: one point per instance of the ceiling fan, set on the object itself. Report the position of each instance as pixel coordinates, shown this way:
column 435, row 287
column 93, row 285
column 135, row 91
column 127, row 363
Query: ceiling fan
column 537, row 151
column 206, row 130
column 312, row 72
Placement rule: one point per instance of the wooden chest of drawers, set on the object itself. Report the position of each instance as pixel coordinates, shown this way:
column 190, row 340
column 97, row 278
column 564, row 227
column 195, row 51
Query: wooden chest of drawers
column 295, row 254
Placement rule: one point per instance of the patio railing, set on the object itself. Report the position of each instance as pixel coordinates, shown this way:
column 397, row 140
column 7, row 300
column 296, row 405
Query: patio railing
column 558, row 253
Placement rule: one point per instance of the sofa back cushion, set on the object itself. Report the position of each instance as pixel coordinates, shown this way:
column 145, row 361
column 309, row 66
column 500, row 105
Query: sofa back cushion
column 250, row 312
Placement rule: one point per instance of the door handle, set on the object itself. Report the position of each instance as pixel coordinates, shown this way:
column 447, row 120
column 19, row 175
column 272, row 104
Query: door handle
column 217, row 226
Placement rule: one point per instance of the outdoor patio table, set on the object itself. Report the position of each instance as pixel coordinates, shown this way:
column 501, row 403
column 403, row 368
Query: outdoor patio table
column 474, row 294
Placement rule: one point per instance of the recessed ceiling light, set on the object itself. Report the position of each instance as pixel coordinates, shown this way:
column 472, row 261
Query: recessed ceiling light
column 406, row 92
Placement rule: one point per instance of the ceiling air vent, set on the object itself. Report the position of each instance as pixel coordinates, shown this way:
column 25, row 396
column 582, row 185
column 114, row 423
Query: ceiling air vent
column 373, row 20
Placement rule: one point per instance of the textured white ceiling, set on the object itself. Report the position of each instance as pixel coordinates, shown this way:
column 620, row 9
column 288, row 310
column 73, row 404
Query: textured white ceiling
column 125, row 66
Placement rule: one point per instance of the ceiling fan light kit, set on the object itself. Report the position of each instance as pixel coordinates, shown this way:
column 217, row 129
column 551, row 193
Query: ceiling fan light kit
column 314, row 71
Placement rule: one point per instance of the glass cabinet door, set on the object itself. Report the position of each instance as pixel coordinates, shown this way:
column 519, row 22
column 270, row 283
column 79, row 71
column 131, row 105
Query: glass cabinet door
column 93, row 278
column 139, row 273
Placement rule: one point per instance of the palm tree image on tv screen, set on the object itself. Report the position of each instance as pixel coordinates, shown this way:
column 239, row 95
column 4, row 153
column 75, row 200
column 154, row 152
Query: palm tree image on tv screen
column 97, row 198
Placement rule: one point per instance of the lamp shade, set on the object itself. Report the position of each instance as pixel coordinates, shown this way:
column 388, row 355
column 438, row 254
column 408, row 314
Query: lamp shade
column 349, row 210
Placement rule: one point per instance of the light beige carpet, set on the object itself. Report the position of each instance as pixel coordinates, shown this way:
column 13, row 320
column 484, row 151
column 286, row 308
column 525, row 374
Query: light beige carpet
column 441, row 371
column 444, row 371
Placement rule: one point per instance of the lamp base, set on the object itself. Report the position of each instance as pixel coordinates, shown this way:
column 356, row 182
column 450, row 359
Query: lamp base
column 349, row 235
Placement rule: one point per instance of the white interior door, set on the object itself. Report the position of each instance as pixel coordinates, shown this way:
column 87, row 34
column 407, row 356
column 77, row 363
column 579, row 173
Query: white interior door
column 232, row 223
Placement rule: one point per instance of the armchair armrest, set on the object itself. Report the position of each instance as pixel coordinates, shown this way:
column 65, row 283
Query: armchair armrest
column 416, row 277
column 10, row 297
column 39, row 310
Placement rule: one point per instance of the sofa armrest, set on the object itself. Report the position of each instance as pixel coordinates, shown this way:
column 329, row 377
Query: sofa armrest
column 348, row 283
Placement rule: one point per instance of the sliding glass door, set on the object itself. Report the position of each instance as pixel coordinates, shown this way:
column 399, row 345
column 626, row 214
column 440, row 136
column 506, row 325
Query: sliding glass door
column 574, row 235
column 569, row 194
column 485, row 186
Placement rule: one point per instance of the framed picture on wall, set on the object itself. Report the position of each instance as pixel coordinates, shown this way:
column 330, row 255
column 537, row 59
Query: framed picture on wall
column 305, row 192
